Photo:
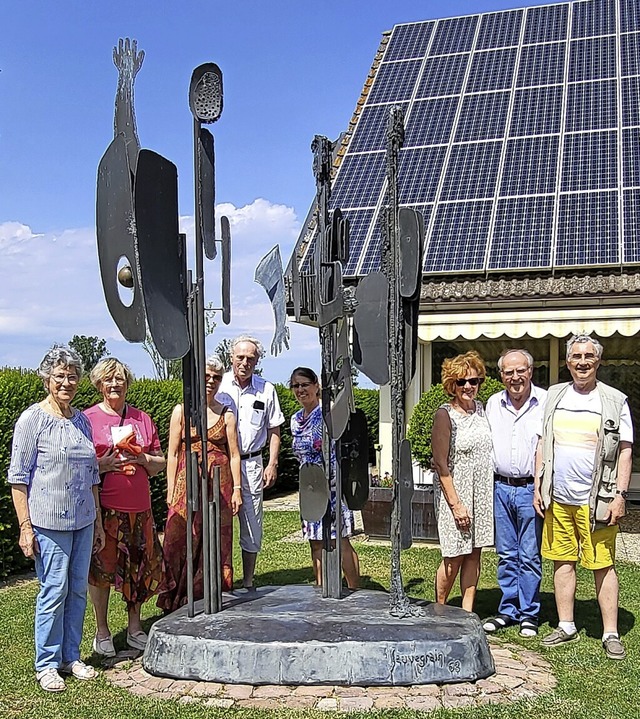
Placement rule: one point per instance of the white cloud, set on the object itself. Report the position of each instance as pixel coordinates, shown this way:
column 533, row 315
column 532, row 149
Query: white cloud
column 50, row 289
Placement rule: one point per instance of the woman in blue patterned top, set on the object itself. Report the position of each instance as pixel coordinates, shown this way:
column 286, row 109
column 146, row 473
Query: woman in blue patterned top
column 54, row 485
column 306, row 432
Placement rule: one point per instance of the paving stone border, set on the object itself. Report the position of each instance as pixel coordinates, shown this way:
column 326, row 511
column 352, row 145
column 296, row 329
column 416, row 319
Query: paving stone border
column 520, row 674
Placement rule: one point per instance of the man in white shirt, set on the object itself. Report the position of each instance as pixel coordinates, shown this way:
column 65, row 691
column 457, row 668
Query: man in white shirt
column 515, row 417
column 255, row 404
column 583, row 468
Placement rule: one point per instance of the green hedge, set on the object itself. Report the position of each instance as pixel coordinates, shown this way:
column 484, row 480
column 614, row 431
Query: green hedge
column 421, row 422
column 19, row 389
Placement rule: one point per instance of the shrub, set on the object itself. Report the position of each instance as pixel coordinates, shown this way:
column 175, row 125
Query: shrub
column 21, row 388
column 421, row 422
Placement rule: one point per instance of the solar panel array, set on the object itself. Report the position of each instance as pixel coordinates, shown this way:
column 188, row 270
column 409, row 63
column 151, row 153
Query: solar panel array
column 521, row 145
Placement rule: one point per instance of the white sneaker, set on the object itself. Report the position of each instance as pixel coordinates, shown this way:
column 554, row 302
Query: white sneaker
column 104, row 647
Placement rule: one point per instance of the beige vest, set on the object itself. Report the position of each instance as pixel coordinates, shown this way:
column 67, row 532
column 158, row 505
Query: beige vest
column 605, row 466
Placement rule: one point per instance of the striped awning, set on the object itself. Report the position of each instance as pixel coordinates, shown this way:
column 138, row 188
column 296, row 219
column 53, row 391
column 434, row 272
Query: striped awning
column 601, row 321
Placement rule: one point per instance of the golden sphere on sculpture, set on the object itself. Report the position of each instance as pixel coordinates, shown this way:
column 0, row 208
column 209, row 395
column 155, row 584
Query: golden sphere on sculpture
column 125, row 276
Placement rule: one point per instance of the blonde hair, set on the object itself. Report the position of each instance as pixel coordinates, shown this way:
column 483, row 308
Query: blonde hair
column 457, row 368
column 107, row 368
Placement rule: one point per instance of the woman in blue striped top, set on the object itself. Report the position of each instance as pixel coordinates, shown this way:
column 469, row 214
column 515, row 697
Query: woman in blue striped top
column 54, row 478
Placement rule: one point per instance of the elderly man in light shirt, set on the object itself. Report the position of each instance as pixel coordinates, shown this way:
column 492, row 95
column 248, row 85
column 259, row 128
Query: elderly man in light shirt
column 583, row 471
column 515, row 416
column 255, row 403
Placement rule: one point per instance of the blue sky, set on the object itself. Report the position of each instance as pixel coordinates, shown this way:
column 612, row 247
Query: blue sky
column 292, row 69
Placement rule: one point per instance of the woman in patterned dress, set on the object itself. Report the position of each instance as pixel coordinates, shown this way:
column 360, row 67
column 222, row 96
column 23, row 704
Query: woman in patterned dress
column 463, row 488
column 131, row 560
column 306, row 432
column 222, row 451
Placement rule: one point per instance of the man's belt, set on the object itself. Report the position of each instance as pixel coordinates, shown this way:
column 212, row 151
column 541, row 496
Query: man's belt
column 513, row 481
column 250, row 455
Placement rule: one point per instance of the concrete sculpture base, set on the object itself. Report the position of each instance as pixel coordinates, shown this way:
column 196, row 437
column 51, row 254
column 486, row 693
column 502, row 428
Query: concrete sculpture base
column 291, row 635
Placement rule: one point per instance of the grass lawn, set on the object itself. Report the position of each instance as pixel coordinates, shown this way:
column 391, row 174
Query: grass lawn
column 589, row 685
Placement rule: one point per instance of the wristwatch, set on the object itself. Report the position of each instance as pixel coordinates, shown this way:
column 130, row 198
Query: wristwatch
column 623, row 493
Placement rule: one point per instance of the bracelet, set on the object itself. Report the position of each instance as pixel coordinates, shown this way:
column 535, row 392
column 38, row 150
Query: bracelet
column 25, row 521
column 237, row 486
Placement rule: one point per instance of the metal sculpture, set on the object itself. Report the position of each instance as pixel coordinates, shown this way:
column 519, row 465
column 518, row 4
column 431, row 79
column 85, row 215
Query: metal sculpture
column 332, row 306
column 270, row 276
column 385, row 339
column 115, row 212
column 139, row 245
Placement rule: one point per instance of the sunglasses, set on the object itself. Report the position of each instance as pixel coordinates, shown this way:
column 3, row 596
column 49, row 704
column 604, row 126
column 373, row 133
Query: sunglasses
column 301, row 385
column 215, row 377
column 473, row 381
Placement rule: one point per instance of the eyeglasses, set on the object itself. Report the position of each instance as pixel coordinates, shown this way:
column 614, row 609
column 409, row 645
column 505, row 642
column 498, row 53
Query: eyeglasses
column 215, row 377
column 120, row 381
column 301, row 385
column 586, row 357
column 61, row 378
column 520, row 372
column 473, row 381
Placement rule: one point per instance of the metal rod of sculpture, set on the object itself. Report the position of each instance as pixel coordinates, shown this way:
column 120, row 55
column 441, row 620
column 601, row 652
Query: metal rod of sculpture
column 205, row 103
column 137, row 222
column 337, row 393
column 396, row 267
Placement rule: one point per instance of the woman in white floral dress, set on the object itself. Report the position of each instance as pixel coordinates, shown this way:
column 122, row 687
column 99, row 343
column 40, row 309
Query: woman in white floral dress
column 463, row 489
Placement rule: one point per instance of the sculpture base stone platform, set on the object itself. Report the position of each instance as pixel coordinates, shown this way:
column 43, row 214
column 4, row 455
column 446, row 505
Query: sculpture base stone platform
column 291, row 635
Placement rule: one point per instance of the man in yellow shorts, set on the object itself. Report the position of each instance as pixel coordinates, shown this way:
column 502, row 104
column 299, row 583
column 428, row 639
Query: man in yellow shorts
column 583, row 468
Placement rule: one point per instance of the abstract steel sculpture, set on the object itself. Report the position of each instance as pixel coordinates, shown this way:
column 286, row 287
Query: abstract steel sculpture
column 385, row 339
column 332, row 307
column 139, row 245
column 270, row 276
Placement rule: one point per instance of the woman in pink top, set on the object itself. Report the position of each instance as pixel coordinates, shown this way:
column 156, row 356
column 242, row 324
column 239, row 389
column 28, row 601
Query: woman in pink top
column 129, row 452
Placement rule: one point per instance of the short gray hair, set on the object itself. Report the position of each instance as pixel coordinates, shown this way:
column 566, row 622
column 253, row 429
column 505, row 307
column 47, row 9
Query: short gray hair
column 511, row 351
column 215, row 363
column 581, row 339
column 59, row 356
column 248, row 338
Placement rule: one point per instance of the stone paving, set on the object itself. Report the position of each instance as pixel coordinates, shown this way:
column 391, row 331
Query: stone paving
column 520, row 674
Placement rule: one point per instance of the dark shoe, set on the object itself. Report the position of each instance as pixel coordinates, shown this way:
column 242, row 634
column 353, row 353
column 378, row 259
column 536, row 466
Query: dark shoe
column 500, row 622
column 528, row 628
column 559, row 636
column 613, row 648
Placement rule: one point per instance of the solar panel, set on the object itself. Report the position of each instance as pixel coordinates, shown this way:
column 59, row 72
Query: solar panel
column 537, row 111
column 500, row 29
column 631, row 225
column 522, row 233
column 589, row 162
column 541, row 64
column 522, row 131
column 483, row 117
column 430, row 121
column 592, row 59
column 492, row 70
column 530, row 166
column 588, row 229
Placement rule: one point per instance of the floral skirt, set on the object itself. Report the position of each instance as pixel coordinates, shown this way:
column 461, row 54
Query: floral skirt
column 131, row 560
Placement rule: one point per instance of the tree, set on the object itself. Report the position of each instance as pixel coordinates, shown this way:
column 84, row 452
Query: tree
column 172, row 369
column 91, row 350
column 223, row 350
